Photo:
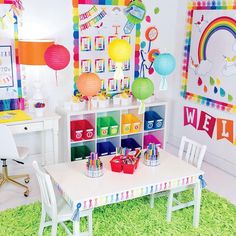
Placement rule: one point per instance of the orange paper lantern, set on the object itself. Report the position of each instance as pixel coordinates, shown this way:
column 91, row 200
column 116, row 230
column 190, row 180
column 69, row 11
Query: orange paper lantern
column 89, row 84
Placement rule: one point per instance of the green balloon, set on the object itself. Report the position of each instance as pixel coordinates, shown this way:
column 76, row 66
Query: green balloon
column 142, row 88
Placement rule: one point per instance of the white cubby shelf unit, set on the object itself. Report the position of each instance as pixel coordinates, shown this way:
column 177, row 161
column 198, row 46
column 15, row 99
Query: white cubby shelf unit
column 111, row 127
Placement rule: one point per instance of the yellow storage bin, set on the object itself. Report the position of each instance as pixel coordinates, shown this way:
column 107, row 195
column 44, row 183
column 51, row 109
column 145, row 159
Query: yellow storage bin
column 130, row 124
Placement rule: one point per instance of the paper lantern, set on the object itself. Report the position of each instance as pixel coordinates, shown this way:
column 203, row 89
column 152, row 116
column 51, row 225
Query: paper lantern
column 164, row 64
column 142, row 88
column 89, row 84
column 57, row 57
column 119, row 50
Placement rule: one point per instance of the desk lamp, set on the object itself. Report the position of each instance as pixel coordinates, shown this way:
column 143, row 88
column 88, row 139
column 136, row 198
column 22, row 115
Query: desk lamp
column 31, row 53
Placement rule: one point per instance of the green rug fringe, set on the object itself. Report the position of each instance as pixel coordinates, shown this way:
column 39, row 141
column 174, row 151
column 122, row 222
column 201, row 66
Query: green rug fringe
column 134, row 218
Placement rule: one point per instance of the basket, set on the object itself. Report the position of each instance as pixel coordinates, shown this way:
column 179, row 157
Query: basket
column 130, row 124
column 79, row 153
column 152, row 121
column 81, row 129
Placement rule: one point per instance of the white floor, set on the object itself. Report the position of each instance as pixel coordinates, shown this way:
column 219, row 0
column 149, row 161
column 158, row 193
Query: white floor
column 217, row 181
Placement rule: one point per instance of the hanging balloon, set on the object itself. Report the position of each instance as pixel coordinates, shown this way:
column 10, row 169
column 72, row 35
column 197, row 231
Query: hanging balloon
column 142, row 88
column 119, row 50
column 164, row 64
column 57, row 57
column 89, row 84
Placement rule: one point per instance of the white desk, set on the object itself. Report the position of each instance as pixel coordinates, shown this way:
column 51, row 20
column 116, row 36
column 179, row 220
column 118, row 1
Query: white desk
column 50, row 121
column 116, row 187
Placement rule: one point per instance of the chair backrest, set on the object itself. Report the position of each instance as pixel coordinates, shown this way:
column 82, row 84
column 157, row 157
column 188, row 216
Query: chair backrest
column 8, row 149
column 48, row 197
column 192, row 152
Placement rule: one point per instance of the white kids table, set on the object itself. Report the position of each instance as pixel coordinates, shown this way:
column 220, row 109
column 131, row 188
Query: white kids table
column 114, row 187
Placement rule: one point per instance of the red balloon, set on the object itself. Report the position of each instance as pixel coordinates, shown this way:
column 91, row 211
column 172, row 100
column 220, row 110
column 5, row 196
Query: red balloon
column 57, row 57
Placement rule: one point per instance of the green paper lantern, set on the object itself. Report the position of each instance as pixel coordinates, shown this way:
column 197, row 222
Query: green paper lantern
column 142, row 88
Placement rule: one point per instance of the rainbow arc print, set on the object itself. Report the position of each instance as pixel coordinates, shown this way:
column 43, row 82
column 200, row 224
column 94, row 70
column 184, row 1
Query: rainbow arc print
column 221, row 23
column 209, row 64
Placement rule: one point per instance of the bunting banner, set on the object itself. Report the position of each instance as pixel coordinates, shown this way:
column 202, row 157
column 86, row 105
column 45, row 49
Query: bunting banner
column 93, row 21
column 88, row 13
column 224, row 127
column 190, row 116
column 207, row 123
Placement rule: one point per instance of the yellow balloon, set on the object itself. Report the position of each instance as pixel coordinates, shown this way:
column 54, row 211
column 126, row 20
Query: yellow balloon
column 119, row 50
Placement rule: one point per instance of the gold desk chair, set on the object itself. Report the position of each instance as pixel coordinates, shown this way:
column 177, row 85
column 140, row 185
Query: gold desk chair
column 9, row 150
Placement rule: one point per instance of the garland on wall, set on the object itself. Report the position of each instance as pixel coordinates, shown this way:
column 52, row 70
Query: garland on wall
column 203, row 121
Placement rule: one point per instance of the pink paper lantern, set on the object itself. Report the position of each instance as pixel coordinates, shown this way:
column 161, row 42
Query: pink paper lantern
column 57, row 57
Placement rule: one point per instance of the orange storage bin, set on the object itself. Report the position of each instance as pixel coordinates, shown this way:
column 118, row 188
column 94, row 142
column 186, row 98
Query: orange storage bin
column 130, row 124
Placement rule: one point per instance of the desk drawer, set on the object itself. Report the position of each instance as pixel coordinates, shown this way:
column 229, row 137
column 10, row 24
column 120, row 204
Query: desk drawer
column 25, row 128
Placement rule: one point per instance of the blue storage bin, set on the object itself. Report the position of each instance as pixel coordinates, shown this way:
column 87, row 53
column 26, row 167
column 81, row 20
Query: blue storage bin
column 152, row 121
column 130, row 143
column 106, row 148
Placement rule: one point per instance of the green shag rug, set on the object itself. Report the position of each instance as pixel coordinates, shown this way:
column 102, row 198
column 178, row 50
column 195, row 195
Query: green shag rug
column 131, row 218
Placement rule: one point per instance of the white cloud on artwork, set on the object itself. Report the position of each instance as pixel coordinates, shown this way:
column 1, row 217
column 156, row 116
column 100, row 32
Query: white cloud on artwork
column 204, row 67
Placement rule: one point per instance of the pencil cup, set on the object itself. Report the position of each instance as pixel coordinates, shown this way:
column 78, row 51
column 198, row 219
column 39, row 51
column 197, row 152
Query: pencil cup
column 39, row 112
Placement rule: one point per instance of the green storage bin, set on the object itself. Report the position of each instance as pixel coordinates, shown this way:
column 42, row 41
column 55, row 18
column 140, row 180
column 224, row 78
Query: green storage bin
column 79, row 153
column 107, row 126
column 102, row 127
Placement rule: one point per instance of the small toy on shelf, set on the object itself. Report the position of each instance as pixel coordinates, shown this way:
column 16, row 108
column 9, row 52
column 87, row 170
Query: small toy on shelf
column 151, row 155
column 94, row 166
column 125, row 161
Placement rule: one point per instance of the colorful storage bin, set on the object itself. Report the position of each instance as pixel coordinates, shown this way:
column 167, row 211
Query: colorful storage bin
column 79, row 153
column 152, row 121
column 107, row 126
column 106, row 148
column 149, row 138
column 130, row 124
column 130, row 143
column 81, row 129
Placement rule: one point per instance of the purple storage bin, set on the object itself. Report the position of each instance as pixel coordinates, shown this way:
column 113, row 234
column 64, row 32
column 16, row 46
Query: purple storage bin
column 130, row 143
column 149, row 138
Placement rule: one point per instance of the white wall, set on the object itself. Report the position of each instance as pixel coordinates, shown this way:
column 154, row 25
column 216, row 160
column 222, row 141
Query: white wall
column 219, row 153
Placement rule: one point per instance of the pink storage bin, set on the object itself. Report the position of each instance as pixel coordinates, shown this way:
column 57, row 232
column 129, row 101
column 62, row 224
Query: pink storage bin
column 149, row 138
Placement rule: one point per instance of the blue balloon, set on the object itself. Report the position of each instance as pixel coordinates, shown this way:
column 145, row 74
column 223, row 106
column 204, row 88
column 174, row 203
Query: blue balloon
column 164, row 64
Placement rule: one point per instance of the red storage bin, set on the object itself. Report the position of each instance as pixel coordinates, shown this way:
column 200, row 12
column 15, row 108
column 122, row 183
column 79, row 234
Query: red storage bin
column 129, row 168
column 81, row 129
column 116, row 164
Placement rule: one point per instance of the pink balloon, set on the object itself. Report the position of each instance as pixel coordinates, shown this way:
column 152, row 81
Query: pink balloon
column 148, row 19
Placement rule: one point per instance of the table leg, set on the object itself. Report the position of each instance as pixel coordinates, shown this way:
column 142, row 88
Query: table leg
column 55, row 145
column 197, row 203
column 76, row 228
column 43, row 136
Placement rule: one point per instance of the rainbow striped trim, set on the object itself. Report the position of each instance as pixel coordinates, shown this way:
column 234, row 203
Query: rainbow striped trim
column 205, row 5
column 18, row 74
column 75, row 4
column 129, row 194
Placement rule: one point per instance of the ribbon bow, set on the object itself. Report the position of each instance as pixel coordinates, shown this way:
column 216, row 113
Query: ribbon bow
column 203, row 182
column 76, row 216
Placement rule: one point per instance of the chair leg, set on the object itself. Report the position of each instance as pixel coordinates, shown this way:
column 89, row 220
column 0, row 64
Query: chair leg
column 17, row 183
column 90, row 223
column 42, row 222
column 169, row 206
column 19, row 176
column 152, row 200
column 76, row 228
column 54, row 229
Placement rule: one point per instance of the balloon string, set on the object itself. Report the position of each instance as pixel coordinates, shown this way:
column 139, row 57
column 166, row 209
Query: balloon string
column 56, row 79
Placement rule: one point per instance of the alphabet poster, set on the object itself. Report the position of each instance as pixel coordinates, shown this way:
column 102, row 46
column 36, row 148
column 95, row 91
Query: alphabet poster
column 96, row 24
column 209, row 66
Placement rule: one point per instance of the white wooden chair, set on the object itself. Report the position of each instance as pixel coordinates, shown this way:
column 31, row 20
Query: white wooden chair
column 56, row 209
column 193, row 153
column 9, row 151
